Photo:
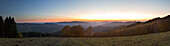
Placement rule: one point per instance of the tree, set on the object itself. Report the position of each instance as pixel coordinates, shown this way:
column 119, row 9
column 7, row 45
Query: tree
column 74, row 31
column 89, row 31
column 77, row 31
column 8, row 28
column 65, row 31
column 2, row 31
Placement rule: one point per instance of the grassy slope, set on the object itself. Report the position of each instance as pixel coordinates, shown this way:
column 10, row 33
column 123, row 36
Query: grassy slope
column 142, row 40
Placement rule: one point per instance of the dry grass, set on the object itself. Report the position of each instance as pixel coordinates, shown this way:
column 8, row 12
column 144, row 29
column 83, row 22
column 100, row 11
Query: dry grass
column 157, row 39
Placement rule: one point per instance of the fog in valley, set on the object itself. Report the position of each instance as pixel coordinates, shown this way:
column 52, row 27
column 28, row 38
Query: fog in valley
column 57, row 26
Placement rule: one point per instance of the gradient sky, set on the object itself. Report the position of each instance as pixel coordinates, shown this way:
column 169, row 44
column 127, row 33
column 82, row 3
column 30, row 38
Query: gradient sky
column 83, row 10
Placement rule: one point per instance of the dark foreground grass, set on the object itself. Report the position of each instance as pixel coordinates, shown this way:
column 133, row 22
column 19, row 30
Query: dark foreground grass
column 157, row 39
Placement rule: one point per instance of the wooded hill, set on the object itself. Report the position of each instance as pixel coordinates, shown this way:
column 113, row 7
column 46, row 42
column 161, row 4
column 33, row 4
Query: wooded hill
column 155, row 25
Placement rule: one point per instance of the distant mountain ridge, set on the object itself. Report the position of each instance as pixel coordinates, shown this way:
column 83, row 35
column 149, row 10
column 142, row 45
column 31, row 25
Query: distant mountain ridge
column 52, row 22
column 74, row 22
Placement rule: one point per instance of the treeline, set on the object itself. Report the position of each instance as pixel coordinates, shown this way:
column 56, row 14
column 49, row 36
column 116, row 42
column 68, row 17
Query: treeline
column 8, row 28
column 76, row 31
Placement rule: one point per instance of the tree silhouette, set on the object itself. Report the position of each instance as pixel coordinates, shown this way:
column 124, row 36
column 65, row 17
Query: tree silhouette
column 8, row 28
column 2, row 31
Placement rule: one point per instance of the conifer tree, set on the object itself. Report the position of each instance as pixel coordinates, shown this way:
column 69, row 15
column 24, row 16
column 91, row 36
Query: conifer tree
column 1, row 27
column 8, row 28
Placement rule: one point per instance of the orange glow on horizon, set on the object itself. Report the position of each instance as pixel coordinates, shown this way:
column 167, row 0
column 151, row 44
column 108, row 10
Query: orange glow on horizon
column 67, row 20
column 96, row 17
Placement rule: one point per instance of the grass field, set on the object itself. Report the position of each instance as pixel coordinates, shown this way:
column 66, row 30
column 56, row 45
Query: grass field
column 157, row 39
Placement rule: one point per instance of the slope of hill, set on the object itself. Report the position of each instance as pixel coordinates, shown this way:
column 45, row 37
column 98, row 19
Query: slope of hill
column 157, row 39
column 152, row 26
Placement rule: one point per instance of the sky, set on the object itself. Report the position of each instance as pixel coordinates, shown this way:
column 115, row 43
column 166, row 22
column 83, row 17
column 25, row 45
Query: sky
column 83, row 10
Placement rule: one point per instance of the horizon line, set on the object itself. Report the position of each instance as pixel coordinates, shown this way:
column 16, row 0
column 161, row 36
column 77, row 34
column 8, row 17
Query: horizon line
column 85, row 20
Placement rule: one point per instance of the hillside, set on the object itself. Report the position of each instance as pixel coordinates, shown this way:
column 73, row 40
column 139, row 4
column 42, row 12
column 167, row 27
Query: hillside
column 155, row 25
column 107, row 26
column 157, row 39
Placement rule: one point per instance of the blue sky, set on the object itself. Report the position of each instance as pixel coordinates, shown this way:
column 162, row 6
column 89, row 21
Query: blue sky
column 39, row 10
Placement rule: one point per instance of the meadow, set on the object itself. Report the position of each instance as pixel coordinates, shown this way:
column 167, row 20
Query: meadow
column 156, row 39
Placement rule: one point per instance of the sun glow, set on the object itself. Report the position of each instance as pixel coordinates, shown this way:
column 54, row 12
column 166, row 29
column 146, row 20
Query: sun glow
column 115, row 16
